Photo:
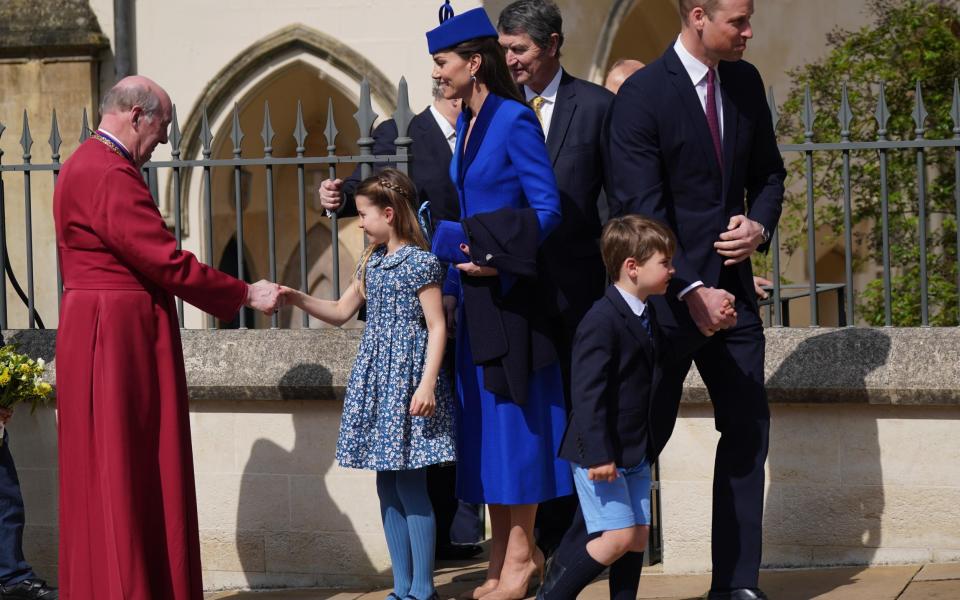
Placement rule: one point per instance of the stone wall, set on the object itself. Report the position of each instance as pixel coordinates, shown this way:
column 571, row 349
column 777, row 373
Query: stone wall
column 862, row 466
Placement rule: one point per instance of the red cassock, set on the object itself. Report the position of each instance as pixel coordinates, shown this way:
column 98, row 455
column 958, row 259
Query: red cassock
column 128, row 510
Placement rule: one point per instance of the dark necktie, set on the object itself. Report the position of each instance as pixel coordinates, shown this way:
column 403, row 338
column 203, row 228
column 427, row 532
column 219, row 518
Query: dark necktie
column 713, row 122
column 645, row 321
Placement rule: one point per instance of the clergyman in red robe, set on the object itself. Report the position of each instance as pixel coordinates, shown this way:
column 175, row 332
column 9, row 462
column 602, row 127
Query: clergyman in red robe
column 128, row 514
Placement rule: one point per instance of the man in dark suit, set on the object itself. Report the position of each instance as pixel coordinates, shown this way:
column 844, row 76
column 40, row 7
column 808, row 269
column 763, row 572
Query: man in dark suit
column 17, row 579
column 433, row 133
column 692, row 144
column 572, row 112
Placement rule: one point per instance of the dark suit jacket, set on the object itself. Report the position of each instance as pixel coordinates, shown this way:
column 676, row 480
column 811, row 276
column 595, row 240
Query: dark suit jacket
column 613, row 386
column 509, row 316
column 575, row 144
column 663, row 163
column 429, row 166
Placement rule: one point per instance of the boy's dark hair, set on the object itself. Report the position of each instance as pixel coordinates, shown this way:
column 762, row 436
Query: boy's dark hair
column 633, row 236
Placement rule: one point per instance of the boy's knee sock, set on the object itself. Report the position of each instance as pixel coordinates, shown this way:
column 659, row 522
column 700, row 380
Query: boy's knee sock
column 625, row 576
column 421, row 527
column 569, row 574
column 395, row 529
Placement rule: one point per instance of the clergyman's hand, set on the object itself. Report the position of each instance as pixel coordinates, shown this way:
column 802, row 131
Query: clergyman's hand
column 711, row 309
column 741, row 239
column 264, row 296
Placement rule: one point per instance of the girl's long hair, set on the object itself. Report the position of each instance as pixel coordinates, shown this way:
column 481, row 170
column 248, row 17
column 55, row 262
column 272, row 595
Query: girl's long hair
column 391, row 188
column 493, row 71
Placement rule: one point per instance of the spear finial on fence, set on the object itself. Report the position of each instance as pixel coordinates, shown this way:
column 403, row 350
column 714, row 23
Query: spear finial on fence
column 206, row 137
column 236, row 134
column 55, row 139
column 882, row 114
column 300, row 131
column 26, row 141
column 919, row 112
column 845, row 116
column 267, row 132
column 2, row 129
column 84, row 126
column 175, row 137
column 330, row 132
column 365, row 116
column 809, row 116
column 403, row 115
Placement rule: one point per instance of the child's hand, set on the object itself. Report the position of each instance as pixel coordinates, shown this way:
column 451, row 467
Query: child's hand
column 424, row 402
column 607, row 472
column 290, row 296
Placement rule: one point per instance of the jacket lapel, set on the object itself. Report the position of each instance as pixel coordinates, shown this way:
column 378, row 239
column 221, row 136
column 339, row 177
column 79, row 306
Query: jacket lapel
column 731, row 117
column 487, row 111
column 692, row 106
column 566, row 105
column 631, row 320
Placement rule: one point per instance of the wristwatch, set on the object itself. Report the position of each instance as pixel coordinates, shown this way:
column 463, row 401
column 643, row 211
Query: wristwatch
column 764, row 234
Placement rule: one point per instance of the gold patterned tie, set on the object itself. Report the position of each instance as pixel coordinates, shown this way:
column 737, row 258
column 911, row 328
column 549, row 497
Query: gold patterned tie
column 536, row 102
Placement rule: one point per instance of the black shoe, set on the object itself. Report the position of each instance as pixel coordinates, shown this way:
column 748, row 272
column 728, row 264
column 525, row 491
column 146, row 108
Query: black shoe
column 737, row 594
column 457, row 551
column 28, row 589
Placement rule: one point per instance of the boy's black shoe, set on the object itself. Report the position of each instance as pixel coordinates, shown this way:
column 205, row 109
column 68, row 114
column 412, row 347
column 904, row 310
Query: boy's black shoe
column 28, row 589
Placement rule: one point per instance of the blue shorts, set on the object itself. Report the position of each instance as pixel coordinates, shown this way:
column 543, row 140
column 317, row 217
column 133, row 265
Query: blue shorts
column 618, row 504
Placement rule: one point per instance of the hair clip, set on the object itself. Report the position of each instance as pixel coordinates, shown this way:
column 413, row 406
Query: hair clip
column 446, row 12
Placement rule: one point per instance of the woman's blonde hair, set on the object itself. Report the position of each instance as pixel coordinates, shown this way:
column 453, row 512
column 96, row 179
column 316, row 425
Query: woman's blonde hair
column 391, row 189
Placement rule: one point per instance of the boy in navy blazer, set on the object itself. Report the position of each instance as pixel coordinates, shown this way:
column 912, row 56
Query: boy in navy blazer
column 618, row 357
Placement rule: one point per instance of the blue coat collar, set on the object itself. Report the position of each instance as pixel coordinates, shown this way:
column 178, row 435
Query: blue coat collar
column 463, row 159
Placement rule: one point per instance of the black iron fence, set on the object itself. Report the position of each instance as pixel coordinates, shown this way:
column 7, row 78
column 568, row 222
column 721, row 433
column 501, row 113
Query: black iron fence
column 782, row 293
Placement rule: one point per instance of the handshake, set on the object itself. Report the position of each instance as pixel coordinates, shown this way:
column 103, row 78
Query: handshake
column 265, row 296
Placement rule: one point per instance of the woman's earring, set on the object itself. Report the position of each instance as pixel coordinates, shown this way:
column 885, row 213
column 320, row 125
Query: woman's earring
column 473, row 79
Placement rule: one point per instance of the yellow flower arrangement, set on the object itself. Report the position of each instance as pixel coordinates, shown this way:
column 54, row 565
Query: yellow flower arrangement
column 21, row 380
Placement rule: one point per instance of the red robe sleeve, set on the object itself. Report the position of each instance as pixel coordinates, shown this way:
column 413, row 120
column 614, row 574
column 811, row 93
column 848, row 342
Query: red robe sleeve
column 129, row 225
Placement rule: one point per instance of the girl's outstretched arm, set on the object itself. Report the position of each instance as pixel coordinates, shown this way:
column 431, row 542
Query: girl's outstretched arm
column 424, row 401
column 335, row 312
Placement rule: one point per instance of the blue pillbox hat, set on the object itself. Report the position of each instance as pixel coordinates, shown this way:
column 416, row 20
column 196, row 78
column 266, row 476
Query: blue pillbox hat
column 455, row 29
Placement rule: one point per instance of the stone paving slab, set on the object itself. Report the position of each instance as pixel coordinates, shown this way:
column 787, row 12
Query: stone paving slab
column 847, row 583
column 932, row 590
column 939, row 572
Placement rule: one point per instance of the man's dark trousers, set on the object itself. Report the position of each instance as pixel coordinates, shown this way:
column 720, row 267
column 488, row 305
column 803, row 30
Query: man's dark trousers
column 13, row 566
column 731, row 365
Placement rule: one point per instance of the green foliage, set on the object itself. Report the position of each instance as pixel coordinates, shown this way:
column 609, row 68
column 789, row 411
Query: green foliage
column 908, row 41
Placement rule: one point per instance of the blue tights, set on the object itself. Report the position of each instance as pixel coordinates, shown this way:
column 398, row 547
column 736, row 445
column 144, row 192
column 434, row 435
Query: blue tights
column 410, row 528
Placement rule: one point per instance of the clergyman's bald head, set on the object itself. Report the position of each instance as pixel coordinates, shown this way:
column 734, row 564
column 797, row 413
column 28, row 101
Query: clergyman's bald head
column 135, row 90
column 620, row 71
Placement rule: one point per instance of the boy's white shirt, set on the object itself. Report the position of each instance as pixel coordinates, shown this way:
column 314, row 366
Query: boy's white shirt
column 636, row 304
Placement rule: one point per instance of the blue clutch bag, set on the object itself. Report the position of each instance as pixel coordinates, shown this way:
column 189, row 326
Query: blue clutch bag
column 447, row 237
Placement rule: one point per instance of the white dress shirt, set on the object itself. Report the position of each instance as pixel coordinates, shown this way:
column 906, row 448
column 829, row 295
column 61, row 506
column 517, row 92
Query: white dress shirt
column 636, row 305
column 549, row 96
column 698, row 76
column 449, row 131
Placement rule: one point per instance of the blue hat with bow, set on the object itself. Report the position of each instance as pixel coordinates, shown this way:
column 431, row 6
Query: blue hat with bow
column 460, row 28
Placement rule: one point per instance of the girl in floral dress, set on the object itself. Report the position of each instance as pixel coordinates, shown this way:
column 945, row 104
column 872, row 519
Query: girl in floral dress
column 398, row 412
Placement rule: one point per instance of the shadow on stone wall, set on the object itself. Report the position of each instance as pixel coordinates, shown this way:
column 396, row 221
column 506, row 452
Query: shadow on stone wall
column 825, row 474
column 318, row 544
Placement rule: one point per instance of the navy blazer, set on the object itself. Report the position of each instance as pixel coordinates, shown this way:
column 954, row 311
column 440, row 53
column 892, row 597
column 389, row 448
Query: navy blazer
column 663, row 163
column 576, row 147
column 615, row 377
column 429, row 166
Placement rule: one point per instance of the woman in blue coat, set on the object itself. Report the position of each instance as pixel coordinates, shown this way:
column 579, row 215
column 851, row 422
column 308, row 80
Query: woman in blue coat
column 507, row 447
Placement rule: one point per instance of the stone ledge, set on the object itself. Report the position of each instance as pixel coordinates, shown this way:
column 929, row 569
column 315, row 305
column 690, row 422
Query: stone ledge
column 888, row 366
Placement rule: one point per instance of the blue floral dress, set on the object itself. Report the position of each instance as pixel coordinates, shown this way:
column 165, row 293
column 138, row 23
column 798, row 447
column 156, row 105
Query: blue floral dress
column 376, row 430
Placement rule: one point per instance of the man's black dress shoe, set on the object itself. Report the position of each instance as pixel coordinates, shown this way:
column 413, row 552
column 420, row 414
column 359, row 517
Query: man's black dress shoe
column 457, row 551
column 29, row 589
column 737, row 594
